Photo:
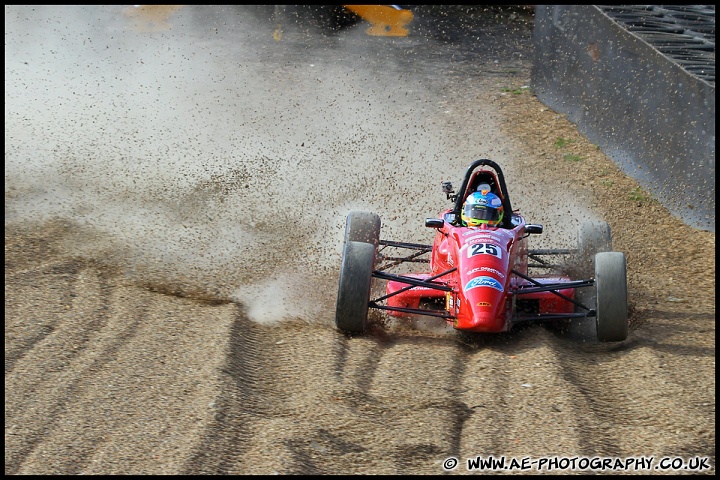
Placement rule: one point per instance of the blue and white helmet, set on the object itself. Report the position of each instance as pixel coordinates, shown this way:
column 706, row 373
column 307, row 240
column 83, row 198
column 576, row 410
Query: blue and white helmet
column 482, row 208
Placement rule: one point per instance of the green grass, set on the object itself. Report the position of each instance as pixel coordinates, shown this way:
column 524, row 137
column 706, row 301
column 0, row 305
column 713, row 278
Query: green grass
column 571, row 157
column 638, row 195
column 563, row 142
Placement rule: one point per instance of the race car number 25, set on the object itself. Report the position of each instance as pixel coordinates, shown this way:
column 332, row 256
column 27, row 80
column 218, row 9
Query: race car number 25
column 484, row 249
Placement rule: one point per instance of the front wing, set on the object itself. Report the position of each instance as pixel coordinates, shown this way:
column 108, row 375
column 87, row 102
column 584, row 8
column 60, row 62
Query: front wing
column 434, row 286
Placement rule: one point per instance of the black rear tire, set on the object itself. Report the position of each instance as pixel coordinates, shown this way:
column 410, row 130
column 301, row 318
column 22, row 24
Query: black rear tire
column 611, row 297
column 351, row 311
column 593, row 237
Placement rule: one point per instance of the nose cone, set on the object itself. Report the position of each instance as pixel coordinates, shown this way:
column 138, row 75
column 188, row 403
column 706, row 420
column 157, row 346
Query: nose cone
column 487, row 322
column 485, row 312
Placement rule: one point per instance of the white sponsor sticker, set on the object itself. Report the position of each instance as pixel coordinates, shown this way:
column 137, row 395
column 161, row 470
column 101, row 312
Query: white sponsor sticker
column 485, row 249
column 486, row 269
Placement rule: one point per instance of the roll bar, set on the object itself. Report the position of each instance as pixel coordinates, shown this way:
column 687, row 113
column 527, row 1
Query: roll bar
column 457, row 210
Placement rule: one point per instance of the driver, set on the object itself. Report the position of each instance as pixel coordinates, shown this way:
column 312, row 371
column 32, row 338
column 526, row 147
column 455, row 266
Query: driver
column 482, row 208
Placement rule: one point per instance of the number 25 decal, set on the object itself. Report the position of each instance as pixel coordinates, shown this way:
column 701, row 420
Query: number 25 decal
column 485, row 248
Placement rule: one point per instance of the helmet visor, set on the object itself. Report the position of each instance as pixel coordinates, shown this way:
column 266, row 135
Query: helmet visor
column 481, row 212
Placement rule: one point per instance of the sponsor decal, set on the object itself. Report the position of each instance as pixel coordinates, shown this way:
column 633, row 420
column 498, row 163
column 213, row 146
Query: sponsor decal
column 492, row 270
column 483, row 282
column 483, row 234
column 482, row 240
column 415, row 287
column 451, row 303
column 484, row 304
column 486, row 269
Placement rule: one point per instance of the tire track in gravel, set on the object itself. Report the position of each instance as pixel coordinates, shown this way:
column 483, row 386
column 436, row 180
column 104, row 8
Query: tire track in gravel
column 81, row 369
column 587, row 398
column 160, row 385
column 266, row 398
column 624, row 387
column 55, row 355
column 242, row 399
column 414, row 392
column 70, row 409
column 514, row 386
column 339, row 406
column 589, row 381
column 27, row 290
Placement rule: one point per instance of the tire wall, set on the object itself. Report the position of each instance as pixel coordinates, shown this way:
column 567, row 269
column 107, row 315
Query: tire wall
column 653, row 118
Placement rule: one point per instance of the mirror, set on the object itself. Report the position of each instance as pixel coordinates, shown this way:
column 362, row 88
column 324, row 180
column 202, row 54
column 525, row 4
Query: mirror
column 533, row 229
column 434, row 222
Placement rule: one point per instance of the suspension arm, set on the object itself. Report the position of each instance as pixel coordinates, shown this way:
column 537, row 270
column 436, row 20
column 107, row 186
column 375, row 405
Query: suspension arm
column 552, row 288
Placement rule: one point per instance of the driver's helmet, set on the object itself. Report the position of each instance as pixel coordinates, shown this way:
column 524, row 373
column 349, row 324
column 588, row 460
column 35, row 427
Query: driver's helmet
column 482, row 208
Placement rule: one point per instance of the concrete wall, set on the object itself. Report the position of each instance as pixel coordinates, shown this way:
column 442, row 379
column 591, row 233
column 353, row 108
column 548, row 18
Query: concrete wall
column 654, row 119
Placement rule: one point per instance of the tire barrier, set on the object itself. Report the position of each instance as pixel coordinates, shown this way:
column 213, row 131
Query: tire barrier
column 639, row 82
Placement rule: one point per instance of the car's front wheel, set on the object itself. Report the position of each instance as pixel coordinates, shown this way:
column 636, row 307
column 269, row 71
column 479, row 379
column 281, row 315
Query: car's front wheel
column 362, row 227
column 611, row 296
column 351, row 311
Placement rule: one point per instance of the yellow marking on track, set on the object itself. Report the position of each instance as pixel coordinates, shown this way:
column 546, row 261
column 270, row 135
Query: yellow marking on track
column 386, row 20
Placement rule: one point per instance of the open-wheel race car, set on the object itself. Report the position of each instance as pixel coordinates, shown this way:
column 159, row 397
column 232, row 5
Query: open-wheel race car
column 480, row 278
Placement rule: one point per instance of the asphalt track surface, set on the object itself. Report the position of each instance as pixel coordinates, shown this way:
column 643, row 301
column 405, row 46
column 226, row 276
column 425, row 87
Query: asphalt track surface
column 175, row 196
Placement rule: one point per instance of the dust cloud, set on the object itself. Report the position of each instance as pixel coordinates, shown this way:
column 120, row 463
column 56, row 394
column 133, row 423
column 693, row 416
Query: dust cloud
column 213, row 155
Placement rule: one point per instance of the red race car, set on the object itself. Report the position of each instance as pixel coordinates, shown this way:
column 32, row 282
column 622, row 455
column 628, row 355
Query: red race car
column 479, row 278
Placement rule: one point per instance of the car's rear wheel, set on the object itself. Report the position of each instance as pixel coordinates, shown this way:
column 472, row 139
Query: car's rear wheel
column 351, row 311
column 362, row 227
column 593, row 237
column 611, row 296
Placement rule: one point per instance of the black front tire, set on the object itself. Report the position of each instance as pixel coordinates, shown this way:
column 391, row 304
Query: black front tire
column 362, row 227
column 611, row 297
column 351, row 311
